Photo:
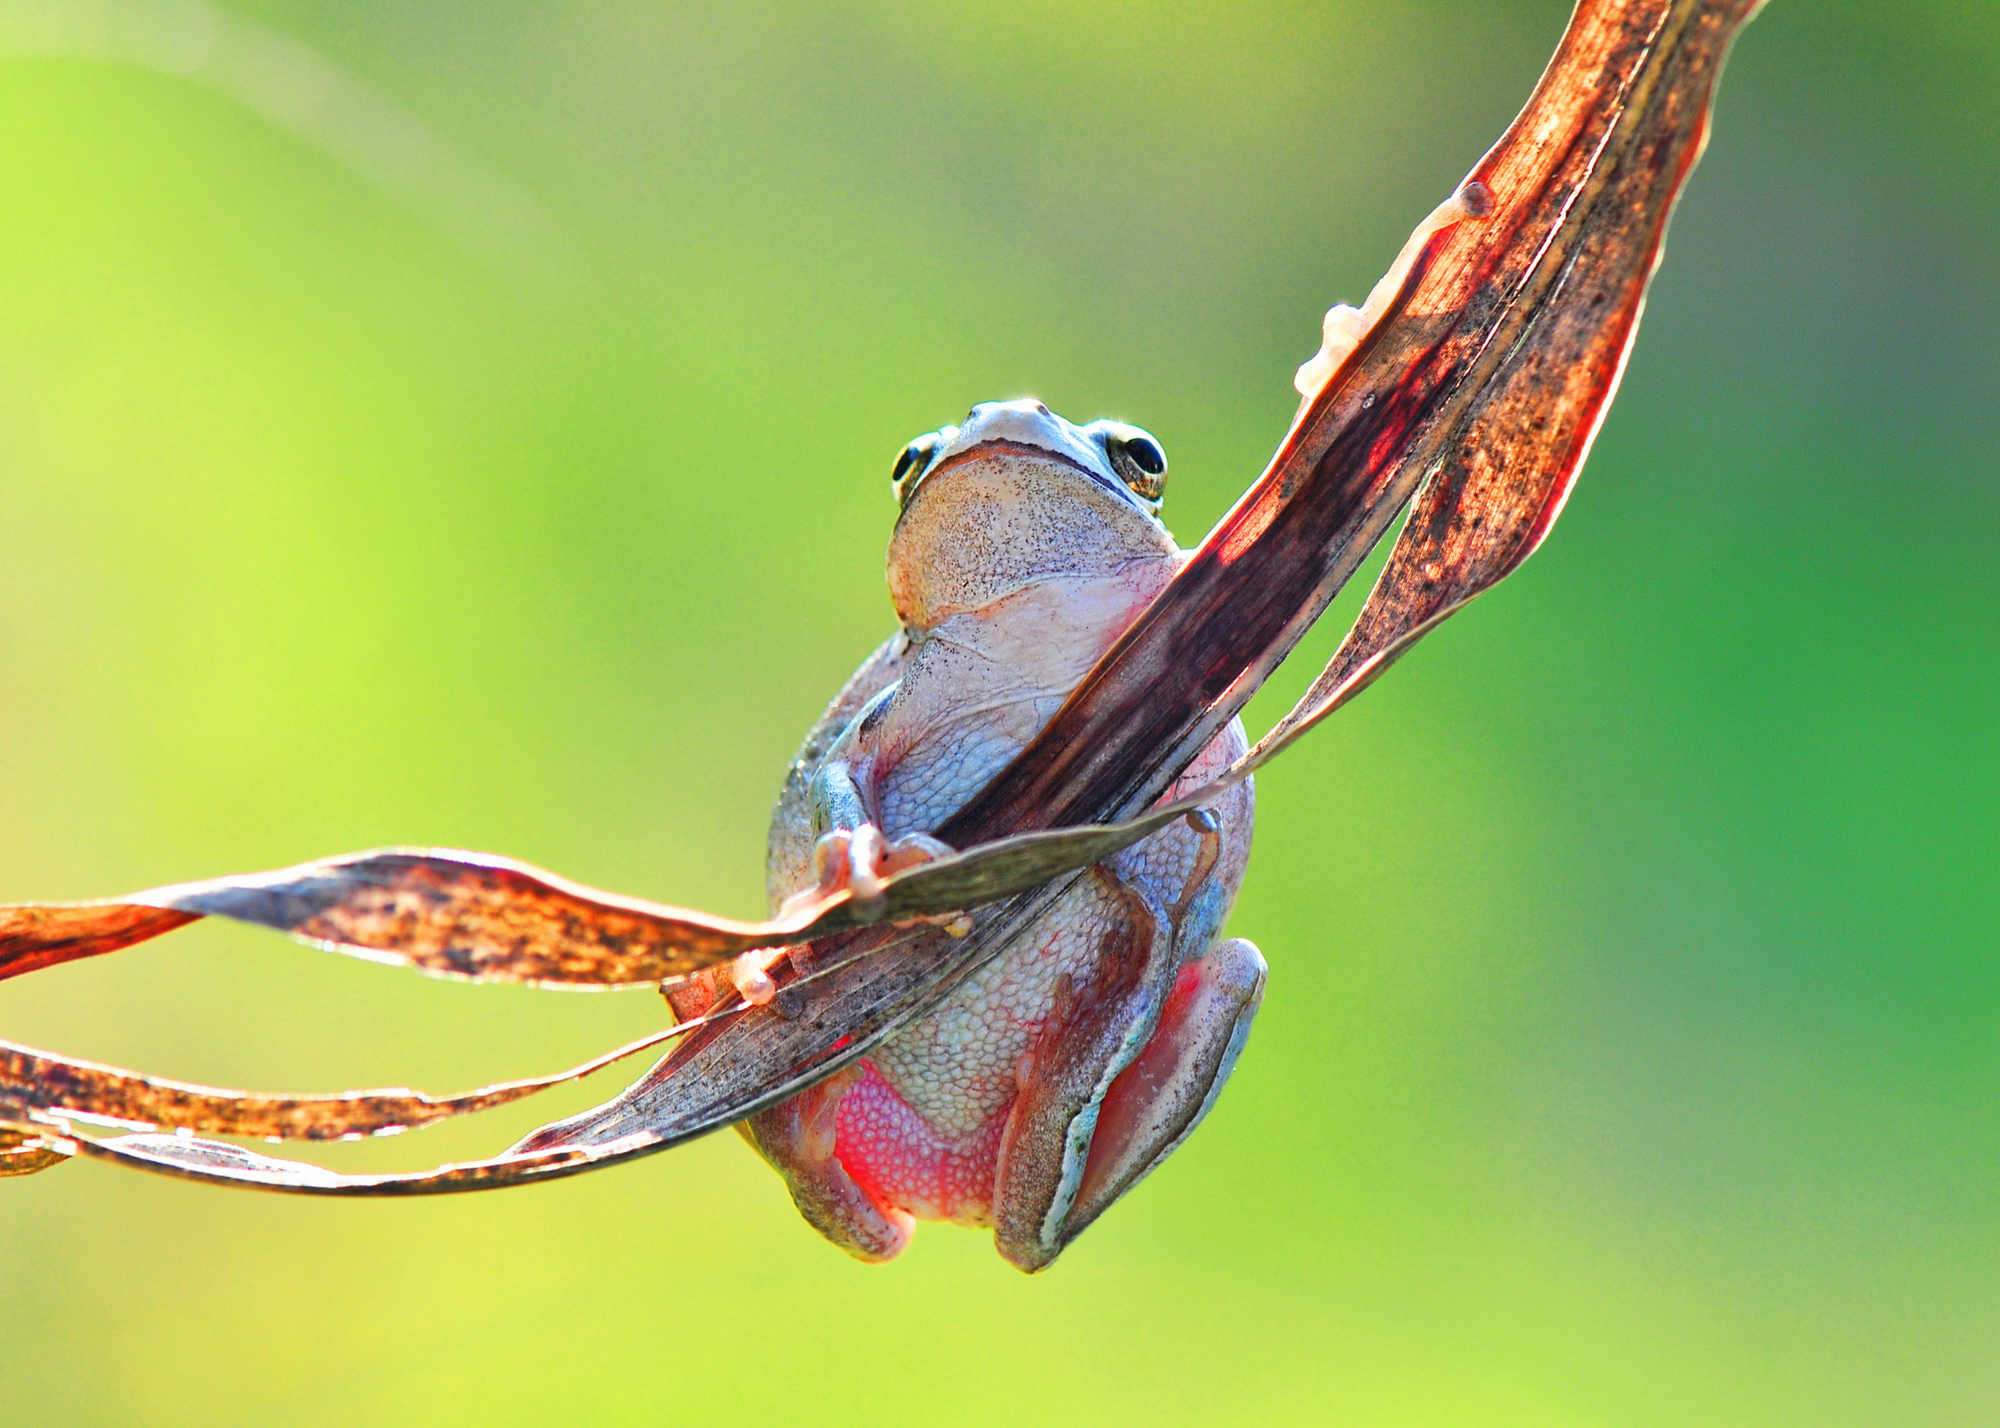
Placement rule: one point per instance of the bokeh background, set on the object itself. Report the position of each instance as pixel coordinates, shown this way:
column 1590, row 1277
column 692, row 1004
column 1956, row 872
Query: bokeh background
column 470, row 425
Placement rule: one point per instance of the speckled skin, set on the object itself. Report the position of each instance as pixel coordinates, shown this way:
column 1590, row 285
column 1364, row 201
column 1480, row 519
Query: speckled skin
column 1060, row 1073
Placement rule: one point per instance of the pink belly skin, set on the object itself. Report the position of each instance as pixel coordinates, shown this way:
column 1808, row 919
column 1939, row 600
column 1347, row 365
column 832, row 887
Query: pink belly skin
column 888, row 1150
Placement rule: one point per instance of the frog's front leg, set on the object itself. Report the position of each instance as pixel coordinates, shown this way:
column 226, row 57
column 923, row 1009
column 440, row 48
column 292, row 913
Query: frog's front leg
column 843, row 804
column 850, row 850
column 1123, row 1071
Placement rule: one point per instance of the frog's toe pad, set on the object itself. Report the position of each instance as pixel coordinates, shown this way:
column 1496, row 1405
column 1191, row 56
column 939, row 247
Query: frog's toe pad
column 1159, row 1099
column 861, row 858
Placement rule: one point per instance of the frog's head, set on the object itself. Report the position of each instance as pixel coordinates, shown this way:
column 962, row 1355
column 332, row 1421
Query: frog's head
column 1018, row 497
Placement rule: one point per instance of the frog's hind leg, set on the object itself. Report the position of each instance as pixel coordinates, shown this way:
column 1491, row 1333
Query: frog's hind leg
column 1074, row 1143
column 1098, row 1026
column 1159, row 1099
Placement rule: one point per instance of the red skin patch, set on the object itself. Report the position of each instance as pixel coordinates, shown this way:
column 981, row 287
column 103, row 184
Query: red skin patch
column 888, row 1150
column 1130, row 1099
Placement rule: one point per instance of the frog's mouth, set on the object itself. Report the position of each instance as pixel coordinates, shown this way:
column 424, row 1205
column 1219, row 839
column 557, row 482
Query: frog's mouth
column 1011, row 446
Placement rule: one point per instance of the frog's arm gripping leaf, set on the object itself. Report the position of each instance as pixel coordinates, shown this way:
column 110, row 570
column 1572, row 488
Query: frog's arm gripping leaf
column 1476, row 391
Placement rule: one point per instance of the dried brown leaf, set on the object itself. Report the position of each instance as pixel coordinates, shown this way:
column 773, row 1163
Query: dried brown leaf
column 33, row 1081
column 1481, row 385
column 465, row 915
column 1488, row 374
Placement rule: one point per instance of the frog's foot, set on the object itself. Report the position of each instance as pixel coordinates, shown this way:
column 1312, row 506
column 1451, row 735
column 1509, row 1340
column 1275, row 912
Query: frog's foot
column 862, row 859
column 1151, row 1106
column 750, row 974
column 797, row 1137
column 1345, row 326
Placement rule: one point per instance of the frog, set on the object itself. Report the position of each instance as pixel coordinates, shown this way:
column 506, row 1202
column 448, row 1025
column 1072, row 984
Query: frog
column 1061, row 1072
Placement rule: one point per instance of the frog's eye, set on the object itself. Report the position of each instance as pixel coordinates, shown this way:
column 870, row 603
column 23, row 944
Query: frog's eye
column 916, row 456
column 915, row 460
column 1139, row 460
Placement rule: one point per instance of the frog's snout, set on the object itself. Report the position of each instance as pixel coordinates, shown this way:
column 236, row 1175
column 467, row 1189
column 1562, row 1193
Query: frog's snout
column 1027, row 421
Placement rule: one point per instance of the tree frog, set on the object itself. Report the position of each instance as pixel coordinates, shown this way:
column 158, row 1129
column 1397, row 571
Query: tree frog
column 1059, row 1074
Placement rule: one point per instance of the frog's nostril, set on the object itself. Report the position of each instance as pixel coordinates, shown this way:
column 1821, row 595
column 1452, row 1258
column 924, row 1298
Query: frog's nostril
column 1042, row 408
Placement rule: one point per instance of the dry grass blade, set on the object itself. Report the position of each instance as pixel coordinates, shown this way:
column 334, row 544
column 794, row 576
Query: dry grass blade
column 1622, row 106
column 38, row 935
column 32, row 1081
column 464, row 915
column 1587, row 193
column 220, row 1163
column 1555, row 360
column 1476, row 335
column 1481, row 383
column 23, row 1153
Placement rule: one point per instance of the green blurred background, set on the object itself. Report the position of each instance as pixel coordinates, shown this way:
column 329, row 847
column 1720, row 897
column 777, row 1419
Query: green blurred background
column 470, row 425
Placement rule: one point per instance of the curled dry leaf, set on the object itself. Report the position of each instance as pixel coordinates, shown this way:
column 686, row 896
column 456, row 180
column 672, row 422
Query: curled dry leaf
column 1475, row 393
column 33, row 1081
column 1486, row 376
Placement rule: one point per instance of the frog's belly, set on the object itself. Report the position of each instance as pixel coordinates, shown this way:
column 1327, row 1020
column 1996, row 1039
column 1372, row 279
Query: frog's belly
column 921, row 1130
